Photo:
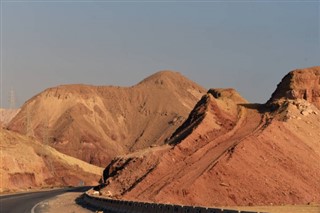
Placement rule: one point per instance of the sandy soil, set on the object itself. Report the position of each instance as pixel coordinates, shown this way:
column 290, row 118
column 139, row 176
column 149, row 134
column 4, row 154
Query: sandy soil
column 63, row 203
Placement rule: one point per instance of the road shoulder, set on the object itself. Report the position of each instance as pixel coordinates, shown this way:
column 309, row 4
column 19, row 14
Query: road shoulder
column 63, row 203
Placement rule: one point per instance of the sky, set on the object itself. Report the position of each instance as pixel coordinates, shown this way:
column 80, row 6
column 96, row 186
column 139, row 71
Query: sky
column 246, row 45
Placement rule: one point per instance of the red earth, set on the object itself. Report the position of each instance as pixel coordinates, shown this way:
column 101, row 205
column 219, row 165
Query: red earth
column 231, row 153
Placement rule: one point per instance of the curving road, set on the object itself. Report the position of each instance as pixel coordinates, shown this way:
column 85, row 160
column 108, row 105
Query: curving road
column 24, row 203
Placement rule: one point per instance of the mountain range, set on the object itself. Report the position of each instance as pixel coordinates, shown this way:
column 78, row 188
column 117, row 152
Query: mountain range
column 169, row 140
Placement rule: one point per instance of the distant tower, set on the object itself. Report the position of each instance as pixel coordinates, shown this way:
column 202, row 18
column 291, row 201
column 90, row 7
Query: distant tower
column 12, row 99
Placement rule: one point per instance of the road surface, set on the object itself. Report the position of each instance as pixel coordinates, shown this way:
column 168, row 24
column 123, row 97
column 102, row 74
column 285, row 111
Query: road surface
column 24, row 203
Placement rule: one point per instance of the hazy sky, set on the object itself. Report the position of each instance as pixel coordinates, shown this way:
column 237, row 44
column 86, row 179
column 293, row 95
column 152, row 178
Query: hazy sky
column 247, row 45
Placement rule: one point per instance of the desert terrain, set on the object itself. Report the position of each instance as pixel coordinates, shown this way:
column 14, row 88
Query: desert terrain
column 97, row 123
column 168, row 140
column 28, row 164
column 63, row 135
column 233, row 153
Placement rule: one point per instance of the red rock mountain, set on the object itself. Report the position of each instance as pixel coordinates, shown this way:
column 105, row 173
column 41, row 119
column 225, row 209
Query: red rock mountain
column 97, row 123
column 229, row 152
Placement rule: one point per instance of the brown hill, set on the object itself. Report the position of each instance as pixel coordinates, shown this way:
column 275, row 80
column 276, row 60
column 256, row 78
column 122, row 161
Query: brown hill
column 97, row 123
column 26, row 164
column 228, row 153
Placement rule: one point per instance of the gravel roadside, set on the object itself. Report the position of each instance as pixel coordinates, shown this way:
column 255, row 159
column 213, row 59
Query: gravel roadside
column 63, row 203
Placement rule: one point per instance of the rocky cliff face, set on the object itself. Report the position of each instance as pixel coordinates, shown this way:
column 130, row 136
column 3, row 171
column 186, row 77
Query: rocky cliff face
column 300, row 84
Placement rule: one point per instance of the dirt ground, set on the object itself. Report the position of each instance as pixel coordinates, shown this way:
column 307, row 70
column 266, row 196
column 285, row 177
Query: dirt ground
column 63, row 203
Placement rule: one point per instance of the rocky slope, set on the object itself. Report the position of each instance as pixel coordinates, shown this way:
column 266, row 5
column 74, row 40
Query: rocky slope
column 97, row 123
column 229, row 152
column 26, row 164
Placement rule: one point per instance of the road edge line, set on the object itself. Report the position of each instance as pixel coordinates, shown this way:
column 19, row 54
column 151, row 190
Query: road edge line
column 35, row 206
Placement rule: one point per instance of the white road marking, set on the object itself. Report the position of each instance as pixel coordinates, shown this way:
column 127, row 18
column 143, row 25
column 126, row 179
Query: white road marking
column 35, row 206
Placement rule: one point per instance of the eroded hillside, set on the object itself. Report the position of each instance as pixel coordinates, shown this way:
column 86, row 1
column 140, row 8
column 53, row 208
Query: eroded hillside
column 97, row 123
column 229, row 152
column 26, row 164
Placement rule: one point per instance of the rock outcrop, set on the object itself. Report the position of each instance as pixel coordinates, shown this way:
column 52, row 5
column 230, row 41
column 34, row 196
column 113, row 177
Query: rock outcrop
column 299, row 84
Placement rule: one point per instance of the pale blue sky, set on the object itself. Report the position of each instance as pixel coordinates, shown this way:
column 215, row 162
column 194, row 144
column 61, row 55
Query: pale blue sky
column 247, row 45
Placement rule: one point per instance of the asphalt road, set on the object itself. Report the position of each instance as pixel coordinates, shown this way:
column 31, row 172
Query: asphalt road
column 23, row 203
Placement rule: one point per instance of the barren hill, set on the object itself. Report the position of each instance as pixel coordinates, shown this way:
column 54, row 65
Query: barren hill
column 26, row 163
column 229, row 152
column 97, row 123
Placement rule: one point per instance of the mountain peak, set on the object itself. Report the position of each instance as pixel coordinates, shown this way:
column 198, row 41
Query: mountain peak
column 163, row 77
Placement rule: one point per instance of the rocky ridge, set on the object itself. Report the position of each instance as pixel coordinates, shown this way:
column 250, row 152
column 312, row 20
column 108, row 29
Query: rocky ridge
column 230, row 152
